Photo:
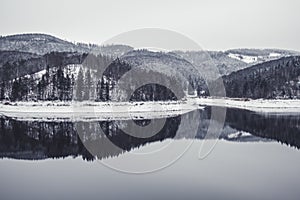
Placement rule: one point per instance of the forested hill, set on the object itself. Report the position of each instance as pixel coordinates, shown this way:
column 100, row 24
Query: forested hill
column 55, row 76
column 43, row 67
column 75, row 76
column 19, row 64
column 65, row 76
column 41, row 44
column 273, row 79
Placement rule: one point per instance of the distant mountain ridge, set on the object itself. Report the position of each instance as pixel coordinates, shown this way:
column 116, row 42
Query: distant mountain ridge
column 234, row 59
column 41, row 44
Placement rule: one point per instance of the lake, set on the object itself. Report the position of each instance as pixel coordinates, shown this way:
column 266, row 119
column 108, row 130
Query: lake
column 254, row 156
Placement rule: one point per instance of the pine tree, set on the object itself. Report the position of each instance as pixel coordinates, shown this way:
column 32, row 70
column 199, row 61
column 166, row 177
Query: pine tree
column 107, row 97
column 15, row 91
column 2, row 91
column 68, row 88
column 87, row 85
column 80, row 86
column 104, row 89
column 72, row 82
column 54, row 88
column 60, row 84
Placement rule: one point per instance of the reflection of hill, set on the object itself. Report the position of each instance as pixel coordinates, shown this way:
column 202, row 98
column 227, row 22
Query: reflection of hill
column 40, row 140
column 285, row 129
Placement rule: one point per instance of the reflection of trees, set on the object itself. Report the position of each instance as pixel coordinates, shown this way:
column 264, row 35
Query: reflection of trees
column 40, row 140
column 115, row 141
column 283, row 128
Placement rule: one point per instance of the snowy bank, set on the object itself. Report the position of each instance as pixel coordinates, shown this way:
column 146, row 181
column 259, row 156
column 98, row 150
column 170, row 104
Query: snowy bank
column 258, row 105
column 82, row 111
column 89, row 111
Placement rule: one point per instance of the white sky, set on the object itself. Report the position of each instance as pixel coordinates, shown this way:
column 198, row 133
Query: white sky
column 214, row 24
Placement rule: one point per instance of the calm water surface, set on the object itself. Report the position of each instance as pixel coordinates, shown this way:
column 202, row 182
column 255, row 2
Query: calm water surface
column 256, row 157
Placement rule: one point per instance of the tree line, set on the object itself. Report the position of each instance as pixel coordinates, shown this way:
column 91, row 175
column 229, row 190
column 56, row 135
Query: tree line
column 273, row 79
column 60, row 82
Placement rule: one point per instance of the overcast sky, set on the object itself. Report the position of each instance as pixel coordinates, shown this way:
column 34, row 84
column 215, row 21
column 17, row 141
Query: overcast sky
column 214, row 24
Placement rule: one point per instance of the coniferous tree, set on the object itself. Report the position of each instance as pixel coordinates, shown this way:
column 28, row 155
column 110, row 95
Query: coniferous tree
column 2, row 91
column 104, row 90
column 72, row 81
column 87, row 85
column 15, row 91
column 60, row 84
column 67, row 88
column 80, row 86
column 54, row 88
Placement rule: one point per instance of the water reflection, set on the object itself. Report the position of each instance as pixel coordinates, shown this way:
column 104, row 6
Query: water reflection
column 282, row 128
column 40, row 140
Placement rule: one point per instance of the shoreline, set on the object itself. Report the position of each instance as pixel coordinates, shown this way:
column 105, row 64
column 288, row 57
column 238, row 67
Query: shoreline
column 88, row 110
column 267, row 106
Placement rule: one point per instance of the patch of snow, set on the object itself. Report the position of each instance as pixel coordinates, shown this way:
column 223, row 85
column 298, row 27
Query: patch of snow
column 244, row 58
column 274, row 55
column 153, row 49
column 89, row 111
column 259, row 105
column 238, row 135
column 37, row 75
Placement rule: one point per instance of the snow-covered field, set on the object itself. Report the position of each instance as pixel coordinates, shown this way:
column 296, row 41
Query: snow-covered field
column 254, row 59
column 137, row 110
column 95, row 110
column 258, row 105
column 244, row 58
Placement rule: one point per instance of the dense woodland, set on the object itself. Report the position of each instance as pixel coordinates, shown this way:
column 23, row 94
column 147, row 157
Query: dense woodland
column 81, row 77
column 93, row 78
column 273, row 79
column 59, row 81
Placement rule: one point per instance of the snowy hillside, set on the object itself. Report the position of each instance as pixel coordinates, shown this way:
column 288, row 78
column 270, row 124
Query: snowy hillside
column 254, row 56
column 272, row 79
column 10, row 57
column 43, row 43
column 166, row 63
column 205, row 60
column 43, row 67
column 167, row 69
column 232, row 60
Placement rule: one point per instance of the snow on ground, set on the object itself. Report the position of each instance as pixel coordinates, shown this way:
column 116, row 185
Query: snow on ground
column 258, row 105
column 37, row 75
column 244, row 58
column 274, row 55
column 95, row 110
column 239, row 134
column 154, row 49
column 48, row 110
column 254, row 59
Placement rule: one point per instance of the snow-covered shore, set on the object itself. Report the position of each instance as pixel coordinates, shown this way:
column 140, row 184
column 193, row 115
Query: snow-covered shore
column 258, row 105
column 48, row 110
column 95, row 110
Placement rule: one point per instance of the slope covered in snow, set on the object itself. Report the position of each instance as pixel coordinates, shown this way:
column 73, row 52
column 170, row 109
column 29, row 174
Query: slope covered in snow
column 166, row 63
column 91, row 111
column 254, row 56
column 205, row 60
column 42, row 43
